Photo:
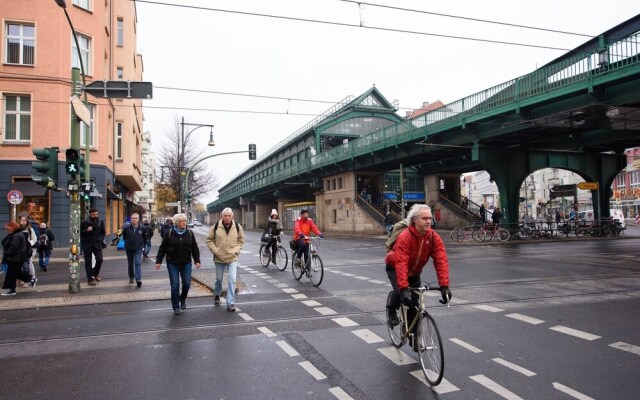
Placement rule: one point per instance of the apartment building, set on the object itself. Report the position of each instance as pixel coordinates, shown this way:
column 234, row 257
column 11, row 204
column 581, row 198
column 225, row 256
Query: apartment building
column 38, row 52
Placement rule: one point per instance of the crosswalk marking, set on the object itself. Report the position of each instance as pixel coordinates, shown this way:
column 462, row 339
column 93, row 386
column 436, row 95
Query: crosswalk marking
column 524, row 318
column 299, row 296
column 344, row 321
column 291, row 352
column 290, row 290
column 362, row 278
column 245, row 316
column 348, row 274
column 281, row 285
column 574, row 332
column 488, row 308
column 466, row 345
column 368, row 336
column 377, row 281
column 444, row 387
column 311, row 303
column 325, row 310
column 266, row 331
column 398, row 357
column 573, row 393
column 514, row 367
column 312, row 370
column 626, row 347
column 339, row 393
column 495, row 387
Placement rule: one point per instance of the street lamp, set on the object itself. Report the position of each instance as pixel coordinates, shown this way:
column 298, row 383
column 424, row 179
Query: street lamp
column 181, row 147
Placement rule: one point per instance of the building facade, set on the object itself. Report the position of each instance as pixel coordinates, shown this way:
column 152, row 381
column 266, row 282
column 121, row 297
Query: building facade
column 38, row 53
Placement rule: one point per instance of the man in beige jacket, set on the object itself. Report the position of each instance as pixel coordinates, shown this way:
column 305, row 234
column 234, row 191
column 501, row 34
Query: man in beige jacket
column 225, row 241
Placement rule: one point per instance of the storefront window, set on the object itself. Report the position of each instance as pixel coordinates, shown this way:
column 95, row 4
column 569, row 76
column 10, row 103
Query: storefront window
column 35, row 199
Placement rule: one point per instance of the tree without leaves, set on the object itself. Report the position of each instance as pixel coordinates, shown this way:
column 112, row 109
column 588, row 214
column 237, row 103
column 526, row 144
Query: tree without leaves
column 172, row 161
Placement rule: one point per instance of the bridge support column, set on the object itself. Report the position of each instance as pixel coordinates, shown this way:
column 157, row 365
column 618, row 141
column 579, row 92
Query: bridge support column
column 508, row 169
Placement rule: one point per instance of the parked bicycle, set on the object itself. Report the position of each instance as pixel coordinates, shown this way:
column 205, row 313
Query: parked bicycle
column 280, row 259
column 313, row 268
column 422, row 334
column 490, row 231
column 462, row 233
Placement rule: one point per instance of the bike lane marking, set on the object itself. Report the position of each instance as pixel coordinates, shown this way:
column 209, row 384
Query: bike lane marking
column 495, row 387
column 367, row 336
column 398, row 357
column 524, row 318
column 291, row 352
column 339, row 393
column 345, row 322
column 488, row 308
column 573, row 393
column 466, row 345
column 575, row 332
column 444, row 387
column 268, row 332
column 626, row 347
column 514, row 367
column 312, row 370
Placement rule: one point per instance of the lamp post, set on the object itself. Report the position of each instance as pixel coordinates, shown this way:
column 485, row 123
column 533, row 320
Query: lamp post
column 181, row 148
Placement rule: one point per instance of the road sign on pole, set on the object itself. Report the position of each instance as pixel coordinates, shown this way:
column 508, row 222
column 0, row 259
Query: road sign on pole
column 588, row 185
column 120, row 89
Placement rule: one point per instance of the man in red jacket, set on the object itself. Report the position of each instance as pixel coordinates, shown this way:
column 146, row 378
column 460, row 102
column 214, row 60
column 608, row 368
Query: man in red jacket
column 301, row 231
column 409, row 255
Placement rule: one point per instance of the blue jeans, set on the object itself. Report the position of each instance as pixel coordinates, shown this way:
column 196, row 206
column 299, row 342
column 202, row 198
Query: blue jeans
column 43, row 257
column 232, row 269
column 175, row 271
column 147, row 248
column 134, row 259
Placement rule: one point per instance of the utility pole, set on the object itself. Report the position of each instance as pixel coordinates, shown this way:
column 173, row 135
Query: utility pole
column 402, row 212
column 73, row 190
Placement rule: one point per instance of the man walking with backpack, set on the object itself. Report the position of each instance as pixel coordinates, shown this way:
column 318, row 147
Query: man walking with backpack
column 135, row 237
column 44, row 246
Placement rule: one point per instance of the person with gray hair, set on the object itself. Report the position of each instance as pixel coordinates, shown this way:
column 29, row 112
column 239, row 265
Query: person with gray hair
column 135, row 236
column 408, row 256
column 225, row 241
column 180, row 246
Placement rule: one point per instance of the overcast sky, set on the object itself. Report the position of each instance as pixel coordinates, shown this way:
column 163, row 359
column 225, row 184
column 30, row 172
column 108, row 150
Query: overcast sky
column 208, row 49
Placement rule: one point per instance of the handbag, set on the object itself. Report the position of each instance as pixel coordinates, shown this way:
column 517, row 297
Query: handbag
column 120, row 245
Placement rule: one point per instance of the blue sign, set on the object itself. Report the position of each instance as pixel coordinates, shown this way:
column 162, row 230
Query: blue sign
column 413, row 197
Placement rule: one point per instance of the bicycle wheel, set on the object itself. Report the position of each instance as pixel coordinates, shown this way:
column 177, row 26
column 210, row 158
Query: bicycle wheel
column 461, row 236
column 454, row 235
column 316, row 270
column 265, row 255
column 503, row 234
column 580, row 231
column 395, row 331
column 282, row 258
column 297, row 270
column 479, row 235
column 430, row 350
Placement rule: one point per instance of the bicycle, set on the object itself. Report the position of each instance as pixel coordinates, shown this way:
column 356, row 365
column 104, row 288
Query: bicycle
column 313, row 268
column 424, row 334
column 460, row 234
column 281, row 258
column 490, row 231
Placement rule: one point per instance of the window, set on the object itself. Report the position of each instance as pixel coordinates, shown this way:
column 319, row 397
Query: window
column 339, row 183
column 17, row 118
column 21, row 44
column 118, row 140
column 620, row 180
column 634, row 179
column 86, row 4
column 120, row 73
column 85, row 51
column 120, row 32
column 88, row 131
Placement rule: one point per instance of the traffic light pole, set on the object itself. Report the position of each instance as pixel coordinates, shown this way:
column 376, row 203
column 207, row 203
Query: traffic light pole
column 402, row 211
column 74, row 203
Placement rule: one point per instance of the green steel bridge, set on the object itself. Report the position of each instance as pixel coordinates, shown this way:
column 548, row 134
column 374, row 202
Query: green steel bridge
column 579, row 112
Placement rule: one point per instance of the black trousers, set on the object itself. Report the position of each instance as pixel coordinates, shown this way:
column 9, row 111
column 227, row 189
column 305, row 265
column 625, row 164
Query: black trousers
column 14, row 272
column 89, row 268
column 395, row 299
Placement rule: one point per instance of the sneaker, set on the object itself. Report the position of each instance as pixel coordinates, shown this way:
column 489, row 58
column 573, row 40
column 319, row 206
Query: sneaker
column 216, row 300
column 231, row 308
column 130, row 281
column 92, row 282
column 10, row 292
column 33, row 282
column 392, row 316
column 176, row 311
column 139, row 283
column 183, row 305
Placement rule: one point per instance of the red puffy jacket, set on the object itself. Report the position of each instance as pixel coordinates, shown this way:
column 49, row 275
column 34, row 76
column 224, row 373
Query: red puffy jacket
column 305, row 227
column 411, row 253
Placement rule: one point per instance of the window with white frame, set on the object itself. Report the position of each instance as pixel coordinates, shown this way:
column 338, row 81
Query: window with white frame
column 86, row 4
column 120, row 73
column 20, row 44
column 634, row 179
column 85, row 51
column 118, row 140
column 17, row 118
column 620, row 181
column 88, row 131
column 120, row 33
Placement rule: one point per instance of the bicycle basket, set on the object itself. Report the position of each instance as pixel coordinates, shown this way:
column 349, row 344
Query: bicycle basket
column 292, row 244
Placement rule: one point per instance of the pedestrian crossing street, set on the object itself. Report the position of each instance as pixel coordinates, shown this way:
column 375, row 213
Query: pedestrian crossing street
column 376, row 338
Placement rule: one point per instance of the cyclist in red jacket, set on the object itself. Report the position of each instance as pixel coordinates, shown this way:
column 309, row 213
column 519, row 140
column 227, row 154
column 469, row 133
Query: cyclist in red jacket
column 409, row 255
column 303, row 228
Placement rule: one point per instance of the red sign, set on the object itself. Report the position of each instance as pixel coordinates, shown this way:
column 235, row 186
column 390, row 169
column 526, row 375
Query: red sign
column 15, row 197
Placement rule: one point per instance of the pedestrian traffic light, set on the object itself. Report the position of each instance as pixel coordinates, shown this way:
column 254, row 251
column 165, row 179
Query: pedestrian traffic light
column 187, row 199
column 74, row 162
column 398, row 194
column 47, row 165
column 252, row 151
column 87, row 187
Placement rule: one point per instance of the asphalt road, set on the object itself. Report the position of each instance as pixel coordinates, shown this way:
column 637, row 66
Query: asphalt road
column 545, row 320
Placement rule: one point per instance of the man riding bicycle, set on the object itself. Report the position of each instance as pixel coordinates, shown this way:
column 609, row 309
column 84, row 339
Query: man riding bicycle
column 272, row 233
column 303, row 228
column 408, row 256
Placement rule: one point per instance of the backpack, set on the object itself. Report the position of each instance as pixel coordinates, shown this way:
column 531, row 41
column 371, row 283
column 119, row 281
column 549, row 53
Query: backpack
column 215, row 229
column 43, row 241
column 398, row 228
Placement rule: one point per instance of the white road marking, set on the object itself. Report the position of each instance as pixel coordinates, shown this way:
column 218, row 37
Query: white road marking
column 311, row 303
column 267, row 331
column 325, row 311
column 273, row 281
column 290, row 290
column 339, row 393
column 574, row 332
column 335, row 271
column 626, row 347
column 254, row 272
column 524, row 318
column 362, row 278
column 495, row 387
column 287, row 349
column 348, row 274
column 515, row 367
column 377, row 281
column 261, row 274
column 368, row 336
column 444, row 387
column 312, row 370
column 573, row 393
column 398, row 357
column 489, row 308
column 344, row 321
column 245, row 316
column 466, row 345
column 299, row 296
column 281, row 285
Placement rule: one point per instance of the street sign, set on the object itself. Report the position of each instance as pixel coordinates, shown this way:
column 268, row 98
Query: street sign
column 15, row 197
column 81, row 110
column 120, row 89
column 588, row 185
column 176, row 204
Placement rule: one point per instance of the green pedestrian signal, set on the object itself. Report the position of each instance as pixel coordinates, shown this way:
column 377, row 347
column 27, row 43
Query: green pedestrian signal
column 75, row 163
column 47, row 165
column 252, row 151
column 187, row 199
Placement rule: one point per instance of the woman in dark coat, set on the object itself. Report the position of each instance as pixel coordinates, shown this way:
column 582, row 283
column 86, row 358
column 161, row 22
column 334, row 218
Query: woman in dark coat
column 15, row 253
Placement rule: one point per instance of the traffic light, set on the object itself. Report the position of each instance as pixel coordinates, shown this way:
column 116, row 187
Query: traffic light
column 398, row 194
column 74, row 162
column 47, row 165
column 187, row 199
column 252, row 151
column 87, row 187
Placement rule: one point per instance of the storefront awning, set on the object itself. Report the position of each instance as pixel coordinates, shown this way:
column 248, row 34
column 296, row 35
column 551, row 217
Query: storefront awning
column 29, row 189
column 111, row 195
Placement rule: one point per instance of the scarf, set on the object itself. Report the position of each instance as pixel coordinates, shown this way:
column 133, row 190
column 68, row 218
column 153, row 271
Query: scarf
column 179, row 231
